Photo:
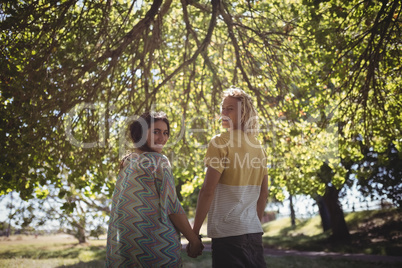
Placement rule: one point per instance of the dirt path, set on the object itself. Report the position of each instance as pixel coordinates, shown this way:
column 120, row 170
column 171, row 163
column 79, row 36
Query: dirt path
column 322, row 254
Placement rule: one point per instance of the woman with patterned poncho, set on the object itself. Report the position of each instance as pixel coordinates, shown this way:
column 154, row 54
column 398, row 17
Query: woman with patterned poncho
column 146, row 216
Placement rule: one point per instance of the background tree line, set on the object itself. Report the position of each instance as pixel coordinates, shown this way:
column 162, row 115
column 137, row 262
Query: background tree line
column 325, row 76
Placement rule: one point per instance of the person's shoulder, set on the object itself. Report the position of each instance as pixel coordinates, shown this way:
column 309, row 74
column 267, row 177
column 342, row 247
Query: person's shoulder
column 221, row 138
column 144, row 157
column 153, row 155
column 128, row 159
column 157, row 158
column 253, row 139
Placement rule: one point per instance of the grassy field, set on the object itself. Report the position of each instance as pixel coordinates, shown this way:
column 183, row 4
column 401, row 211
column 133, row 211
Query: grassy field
column 64, row 251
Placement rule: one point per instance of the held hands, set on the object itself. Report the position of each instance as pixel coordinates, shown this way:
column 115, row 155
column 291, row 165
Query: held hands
column 194, row 248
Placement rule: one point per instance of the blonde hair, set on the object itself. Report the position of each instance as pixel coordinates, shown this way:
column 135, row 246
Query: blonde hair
column 249, row 115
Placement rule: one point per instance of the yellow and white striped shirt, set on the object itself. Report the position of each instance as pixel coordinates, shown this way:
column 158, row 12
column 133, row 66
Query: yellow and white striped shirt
column 242, row 161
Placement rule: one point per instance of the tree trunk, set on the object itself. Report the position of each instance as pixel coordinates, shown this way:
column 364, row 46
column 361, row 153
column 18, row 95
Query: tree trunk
column 340, row 231
column 325, row 217
column 10, row 216
column 78, row 230
column 292, row 211
column 81, row 235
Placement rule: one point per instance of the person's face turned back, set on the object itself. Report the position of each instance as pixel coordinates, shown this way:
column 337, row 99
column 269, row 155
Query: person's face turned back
column 157, row 135
column 231, row 113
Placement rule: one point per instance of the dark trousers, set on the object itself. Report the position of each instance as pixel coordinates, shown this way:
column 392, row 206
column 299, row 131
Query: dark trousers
column 238, row 251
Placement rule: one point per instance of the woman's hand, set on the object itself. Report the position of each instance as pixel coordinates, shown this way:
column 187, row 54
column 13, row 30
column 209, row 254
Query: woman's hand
column 194, row 248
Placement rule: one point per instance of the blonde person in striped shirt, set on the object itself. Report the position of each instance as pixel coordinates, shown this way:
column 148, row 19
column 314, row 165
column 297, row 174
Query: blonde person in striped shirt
column 235, row 188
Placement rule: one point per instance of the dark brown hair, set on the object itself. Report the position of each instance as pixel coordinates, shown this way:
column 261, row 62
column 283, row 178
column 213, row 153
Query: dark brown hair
column 138, row 129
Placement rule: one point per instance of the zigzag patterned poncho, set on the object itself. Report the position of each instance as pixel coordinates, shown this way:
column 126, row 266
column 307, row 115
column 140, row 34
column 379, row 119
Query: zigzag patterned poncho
column 140, row 232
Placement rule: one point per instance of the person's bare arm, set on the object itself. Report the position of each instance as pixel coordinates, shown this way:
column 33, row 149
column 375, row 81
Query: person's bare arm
column 262, row 200
column 180, row 221
column 205, row 197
